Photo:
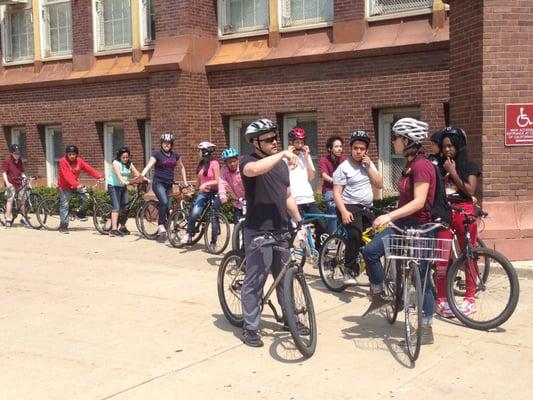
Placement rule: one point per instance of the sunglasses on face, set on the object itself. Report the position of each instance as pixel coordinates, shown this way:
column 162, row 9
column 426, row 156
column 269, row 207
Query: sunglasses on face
column 270, row 140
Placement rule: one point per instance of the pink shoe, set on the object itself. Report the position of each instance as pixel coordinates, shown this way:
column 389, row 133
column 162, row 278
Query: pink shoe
column 443, row 309
column 468, row 306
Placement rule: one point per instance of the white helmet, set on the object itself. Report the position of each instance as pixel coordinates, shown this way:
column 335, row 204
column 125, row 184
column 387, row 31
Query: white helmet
column 167, row 137
column 206, row 146
column 412, row 129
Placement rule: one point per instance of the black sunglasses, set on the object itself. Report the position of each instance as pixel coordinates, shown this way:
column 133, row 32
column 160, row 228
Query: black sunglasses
column 270, row 139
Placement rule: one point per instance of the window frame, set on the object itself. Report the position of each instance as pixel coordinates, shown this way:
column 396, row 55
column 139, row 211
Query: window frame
column 6, row 35
column 408, row 13
column 222, row 19
column 44, row 36
column 15, row 133
column 109, row 151
column 299, row 27
column 99, row 49
column 147, row 42
column 51, row 170
column 235, row 125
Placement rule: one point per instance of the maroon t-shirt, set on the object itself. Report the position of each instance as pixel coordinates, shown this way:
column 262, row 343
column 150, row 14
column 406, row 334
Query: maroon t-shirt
column 328, row 165
column 14, row 170
column 419, row 170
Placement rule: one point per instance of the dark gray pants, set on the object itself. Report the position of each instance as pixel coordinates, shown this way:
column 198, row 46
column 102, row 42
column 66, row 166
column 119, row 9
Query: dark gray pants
column 259, row 262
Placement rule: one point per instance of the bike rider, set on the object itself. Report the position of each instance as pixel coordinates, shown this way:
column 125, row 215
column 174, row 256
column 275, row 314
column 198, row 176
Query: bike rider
column 231, row 181
column 353, row 182
column 265, row 175
column 13, row 174
column 328, row 165
column 461, row 176
column 300, row 177
column 165, row 161
column 70, row 167
column 208, row 175
column 417, row 188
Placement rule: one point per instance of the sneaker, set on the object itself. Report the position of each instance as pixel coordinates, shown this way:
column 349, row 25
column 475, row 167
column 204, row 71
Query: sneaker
column 302, row 329
column 64, row 230
column 468, row 306
column 212, row 247
column 443, row 309
column 377, row 301
column 114, row 233
column 162, row 237
column 81, row 216
column 350, row 277
column 251, row 338
column 25, row 222
column 9, row 224
column 185, row 239
column 124, row 230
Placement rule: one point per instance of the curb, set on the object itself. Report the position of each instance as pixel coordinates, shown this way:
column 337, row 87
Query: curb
column 524, row 269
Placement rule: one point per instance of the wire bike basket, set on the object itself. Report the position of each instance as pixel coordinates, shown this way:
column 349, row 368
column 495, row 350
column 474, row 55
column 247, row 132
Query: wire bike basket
column 418, row 248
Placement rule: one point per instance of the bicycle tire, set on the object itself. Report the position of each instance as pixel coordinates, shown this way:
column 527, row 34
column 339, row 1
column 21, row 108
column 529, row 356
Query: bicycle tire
column 177, row 227
column 500, row 267
column 138, row 218
column 229, row 284
column 392, row 290
column 32, row 202
column 149, row 219
column 102, row 218
column 48, row 214
column 485, row 272
column 331, row 261
column 412, row 298
column 306, row 344
column 224, row 233
column 237, row 237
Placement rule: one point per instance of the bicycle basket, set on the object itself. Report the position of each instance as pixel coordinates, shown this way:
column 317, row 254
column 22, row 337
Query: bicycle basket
column 417, row 248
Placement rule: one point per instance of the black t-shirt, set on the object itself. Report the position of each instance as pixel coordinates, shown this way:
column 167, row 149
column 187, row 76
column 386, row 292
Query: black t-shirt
column 452, row 192
column 266, row 196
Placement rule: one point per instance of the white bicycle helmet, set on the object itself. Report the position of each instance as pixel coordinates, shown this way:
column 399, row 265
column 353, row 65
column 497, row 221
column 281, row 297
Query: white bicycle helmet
column 167, row 137
column 412, row 129
column 208, row 146
column 259, row 127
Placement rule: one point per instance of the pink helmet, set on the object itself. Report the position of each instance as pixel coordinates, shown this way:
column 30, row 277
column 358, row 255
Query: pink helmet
column 297, row 133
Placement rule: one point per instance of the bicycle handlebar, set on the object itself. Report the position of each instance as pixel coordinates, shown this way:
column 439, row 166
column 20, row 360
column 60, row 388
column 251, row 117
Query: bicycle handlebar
column 479, row 213
column 431, row 226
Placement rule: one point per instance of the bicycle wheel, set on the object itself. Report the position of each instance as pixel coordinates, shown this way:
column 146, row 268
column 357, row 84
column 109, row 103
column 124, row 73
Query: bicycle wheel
column 138, row 218
column 484, row 268
column 229, row 283
column 177, row 227
column 495, row 300
column 216, row 238
column 149, row 219
column 412, row 300
column 32, row 202
column 392, row 287
column 299, row 311
column 102, row 218
column 331, row 263
column 237, row 238
column 48, row 214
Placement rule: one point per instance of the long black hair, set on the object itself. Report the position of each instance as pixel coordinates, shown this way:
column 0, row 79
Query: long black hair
column 461, row 158
column 121, row 151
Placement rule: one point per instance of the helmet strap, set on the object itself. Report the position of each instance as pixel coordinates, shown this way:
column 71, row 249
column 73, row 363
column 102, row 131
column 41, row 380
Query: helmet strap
column 260, row 149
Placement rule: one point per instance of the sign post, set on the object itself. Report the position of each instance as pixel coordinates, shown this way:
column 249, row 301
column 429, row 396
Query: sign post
column 519, row 124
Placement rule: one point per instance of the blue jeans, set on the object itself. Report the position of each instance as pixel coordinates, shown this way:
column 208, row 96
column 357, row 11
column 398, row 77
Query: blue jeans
column 199, row 205
column 163, row 192
column 372, row 254
column 64, row 203
column 119, row 197
column 332, row 210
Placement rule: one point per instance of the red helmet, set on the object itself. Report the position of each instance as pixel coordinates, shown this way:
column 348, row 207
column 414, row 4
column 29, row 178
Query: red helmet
column 297, row 133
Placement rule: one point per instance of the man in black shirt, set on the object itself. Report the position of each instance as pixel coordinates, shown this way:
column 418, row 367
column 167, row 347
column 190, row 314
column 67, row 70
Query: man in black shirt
column 265, row 176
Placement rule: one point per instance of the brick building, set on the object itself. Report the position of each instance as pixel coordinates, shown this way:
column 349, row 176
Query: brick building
column 100, row 73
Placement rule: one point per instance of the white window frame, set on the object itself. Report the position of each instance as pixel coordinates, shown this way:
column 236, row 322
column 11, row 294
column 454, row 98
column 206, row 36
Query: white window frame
column 44, row 26
column 52, row 170
column 147, row 37
column 99, row 48
column 16, row 132
column 235, row 126
column 147, row 141
column 289, row 28
column 6, row 36
column 222, row 22
column 109, row 151
column 408, row 13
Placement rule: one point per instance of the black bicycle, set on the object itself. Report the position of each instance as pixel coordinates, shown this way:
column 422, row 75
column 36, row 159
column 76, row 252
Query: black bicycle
column 23, row 196
column 298, row 308
column 237, row 241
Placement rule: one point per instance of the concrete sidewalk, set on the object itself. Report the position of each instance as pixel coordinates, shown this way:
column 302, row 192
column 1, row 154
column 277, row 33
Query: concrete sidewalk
column 85, row 316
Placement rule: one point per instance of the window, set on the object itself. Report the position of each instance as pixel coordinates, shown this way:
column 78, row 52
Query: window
column 17, row 33
column 306, row 12
column 54, row 152
column 147, row 22
column 376, row 8
column 56, row 28
column 237, row 127
column 243, row 16
column 113, row 140
column 112, row 24
column 18, row 136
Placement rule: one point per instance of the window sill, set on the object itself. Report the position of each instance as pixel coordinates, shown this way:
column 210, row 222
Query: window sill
column 404, row 14
column 239, row 35
column 17, row 62
column 304, row 27
column 57, row 58
column 148, row 46
column 113, row 51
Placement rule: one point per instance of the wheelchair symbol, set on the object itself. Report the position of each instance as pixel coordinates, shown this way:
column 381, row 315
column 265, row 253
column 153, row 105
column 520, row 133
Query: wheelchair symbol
column 523, row 120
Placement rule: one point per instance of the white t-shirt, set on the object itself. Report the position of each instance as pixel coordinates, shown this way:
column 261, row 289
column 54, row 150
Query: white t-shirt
column 300, row 187
column 357, row 186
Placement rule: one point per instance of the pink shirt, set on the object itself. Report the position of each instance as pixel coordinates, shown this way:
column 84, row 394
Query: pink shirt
column 210, row 174
column 231, row 182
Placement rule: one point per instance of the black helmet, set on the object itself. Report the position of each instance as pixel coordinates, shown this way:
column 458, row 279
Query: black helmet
column 435, row 137
column 71, row 149
column 14, row 148
column 360, row 135
column 121, row 151
column 259, row 127
column 167, row 137
column 456, row 135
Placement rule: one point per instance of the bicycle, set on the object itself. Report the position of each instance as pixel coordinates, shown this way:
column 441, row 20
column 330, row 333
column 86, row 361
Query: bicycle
column 402, row 283
column 48, row 209
column 476, row 262
column 298, row 307
column 102, row 212
column 237, row 241
column 212, row 225
column 23, row 195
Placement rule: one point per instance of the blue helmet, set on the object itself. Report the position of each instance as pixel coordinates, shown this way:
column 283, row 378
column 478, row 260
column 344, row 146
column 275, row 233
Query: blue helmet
column 229, row 153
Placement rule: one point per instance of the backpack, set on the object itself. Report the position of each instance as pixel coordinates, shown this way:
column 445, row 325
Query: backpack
column 441, row 210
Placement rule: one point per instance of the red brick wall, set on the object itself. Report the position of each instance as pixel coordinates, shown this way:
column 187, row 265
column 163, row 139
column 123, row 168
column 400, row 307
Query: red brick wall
column 192, row 17
column 82, row 27
column 348, row 10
